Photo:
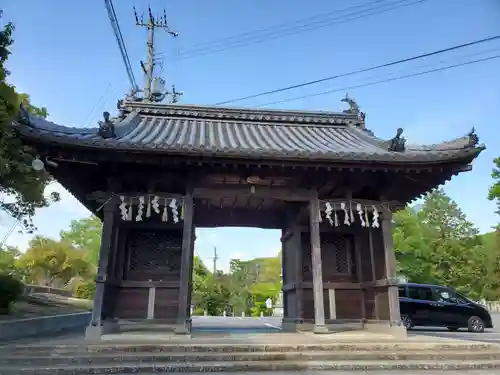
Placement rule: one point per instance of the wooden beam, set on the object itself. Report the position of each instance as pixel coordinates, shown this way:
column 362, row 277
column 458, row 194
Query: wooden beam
column 237, row 217
column 283, row 194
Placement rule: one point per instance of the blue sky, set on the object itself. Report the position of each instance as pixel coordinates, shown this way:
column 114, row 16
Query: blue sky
column 65, row 56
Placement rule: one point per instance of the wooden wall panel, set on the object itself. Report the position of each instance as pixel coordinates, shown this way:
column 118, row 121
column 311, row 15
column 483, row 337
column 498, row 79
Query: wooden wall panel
column 132, row 303
column 308, row 306
column 348, row 304
column 379, row 253
column 166, row 303
column 369, row 296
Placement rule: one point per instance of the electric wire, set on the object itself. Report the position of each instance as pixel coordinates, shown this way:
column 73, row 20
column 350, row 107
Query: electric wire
column 363, row 70
column 121, row 44
column 273, row 33
column 92, row 112
column 380, row 81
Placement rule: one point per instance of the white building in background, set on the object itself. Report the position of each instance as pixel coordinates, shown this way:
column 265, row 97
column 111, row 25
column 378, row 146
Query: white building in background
column 278, row 306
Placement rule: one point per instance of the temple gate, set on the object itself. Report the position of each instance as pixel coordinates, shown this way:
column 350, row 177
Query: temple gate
column 158, row 171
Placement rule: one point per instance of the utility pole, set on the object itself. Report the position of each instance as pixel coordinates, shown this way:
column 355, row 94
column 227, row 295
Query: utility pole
column 215, row 258
column 148, row 68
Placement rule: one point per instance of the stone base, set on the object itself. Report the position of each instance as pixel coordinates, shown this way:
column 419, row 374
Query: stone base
column 182, row 330
column 320, row 329
column 183, row 327
column 397, row 331
column 94, row 333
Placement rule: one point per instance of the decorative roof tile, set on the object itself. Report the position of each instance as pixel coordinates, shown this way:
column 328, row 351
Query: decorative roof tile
column 194, row 130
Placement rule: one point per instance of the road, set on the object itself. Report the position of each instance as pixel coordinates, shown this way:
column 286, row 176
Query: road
column 243, row 325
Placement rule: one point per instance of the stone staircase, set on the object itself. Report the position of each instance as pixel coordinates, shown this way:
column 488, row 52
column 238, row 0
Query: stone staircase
column 112, row 358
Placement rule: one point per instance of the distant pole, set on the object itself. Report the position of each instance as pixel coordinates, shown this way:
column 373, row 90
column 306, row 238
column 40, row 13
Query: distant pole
column 215, row 260
column 152, row 24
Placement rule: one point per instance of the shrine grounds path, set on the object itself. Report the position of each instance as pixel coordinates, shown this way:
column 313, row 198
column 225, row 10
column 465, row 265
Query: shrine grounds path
column 236, row 325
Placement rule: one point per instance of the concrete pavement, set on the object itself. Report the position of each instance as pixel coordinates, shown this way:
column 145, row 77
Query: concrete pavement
column 236, row 325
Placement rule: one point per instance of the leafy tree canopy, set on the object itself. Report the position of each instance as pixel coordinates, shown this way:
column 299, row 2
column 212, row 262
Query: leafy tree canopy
column 21, row 187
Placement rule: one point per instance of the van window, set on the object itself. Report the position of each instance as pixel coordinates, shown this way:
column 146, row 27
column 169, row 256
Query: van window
column 402, row 291
column 421, row 293
column 447, row 295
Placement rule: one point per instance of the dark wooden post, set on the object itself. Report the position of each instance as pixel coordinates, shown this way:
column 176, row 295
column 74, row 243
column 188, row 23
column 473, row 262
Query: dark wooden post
column 390, row 269
column 318, row 295
column 94, row 331
column 186, row 265
column 299, row 272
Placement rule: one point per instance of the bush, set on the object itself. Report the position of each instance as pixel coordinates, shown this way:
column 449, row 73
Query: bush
column 10, row 290
column 85, row 289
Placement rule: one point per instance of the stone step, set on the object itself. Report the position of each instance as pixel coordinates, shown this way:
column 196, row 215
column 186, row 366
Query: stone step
column 138, row 368
column 165, row 358
column 73, row 349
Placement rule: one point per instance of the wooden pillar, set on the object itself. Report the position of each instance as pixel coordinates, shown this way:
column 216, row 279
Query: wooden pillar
column 299, row 271
column 186, row 265
column 390, row 269
column 319, row 303
column 95, row 329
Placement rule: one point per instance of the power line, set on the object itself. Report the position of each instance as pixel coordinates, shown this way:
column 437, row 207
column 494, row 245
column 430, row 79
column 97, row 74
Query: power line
column 275, row 27
column 97, row 104
column 288, row 30
column 121, row 44
column 408, row 59
column 381, row 81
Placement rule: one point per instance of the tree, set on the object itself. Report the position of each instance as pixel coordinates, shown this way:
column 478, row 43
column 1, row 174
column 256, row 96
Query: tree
column 52, row 263
column 8, row 257
column 85, row 234
column 21, row 187
column 437, row 244
column 494, row 191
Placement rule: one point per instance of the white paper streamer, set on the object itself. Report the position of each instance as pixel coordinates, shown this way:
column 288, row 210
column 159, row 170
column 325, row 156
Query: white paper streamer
column 346, row 213
column 123, row 208
column 175, row 211
column 375, row 222
column 140, row 209
column 328, row 212
column 155, row 204
column 359, row 209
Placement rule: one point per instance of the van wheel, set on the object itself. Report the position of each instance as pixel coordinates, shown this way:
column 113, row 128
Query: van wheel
column 475, row 324
column 407, row 321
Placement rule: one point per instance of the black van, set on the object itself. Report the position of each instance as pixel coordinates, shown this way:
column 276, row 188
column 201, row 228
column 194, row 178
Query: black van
column 434, row 306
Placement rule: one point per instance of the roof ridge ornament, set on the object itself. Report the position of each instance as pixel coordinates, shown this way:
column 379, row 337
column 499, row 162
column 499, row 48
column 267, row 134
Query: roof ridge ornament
column 354, row 109
column 397, row 144
column 106, row 127
column 473, row 138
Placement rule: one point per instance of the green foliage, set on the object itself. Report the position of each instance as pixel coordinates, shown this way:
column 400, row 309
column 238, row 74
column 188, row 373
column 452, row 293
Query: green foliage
column 8, row 257
column 244, row 290
column 52, row 263
column 85, row 289
column 10, row 290
column 85, row 234
column 437, row 244
column 21, row 186
column 494, row 191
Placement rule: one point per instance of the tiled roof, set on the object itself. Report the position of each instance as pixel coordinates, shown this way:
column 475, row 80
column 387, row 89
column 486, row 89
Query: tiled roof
column 194, row 130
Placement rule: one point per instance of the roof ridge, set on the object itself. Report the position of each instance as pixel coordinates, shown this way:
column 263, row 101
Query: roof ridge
column 247, row 114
